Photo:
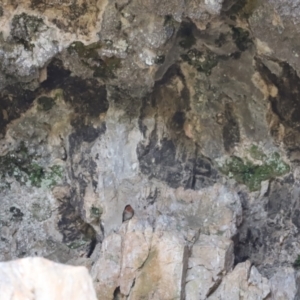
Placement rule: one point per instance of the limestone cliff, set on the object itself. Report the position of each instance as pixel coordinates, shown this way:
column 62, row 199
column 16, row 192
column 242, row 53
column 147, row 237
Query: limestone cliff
column 189, row 111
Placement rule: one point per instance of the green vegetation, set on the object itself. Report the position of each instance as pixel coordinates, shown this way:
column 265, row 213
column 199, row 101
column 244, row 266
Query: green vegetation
column 202, row 61
column 85, row 51
column 21, row 165
column 24, row 29
column 96, row 212
column 89, row 56
column 107, row 67
column 296, row 263
column 76, row 244
column 252, row 174
column 46, row 103
column 256, row 153
column 52, row 177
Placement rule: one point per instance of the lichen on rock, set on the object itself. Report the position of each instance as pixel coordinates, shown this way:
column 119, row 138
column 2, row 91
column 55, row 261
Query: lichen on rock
column 187, row 111
column 251, row 173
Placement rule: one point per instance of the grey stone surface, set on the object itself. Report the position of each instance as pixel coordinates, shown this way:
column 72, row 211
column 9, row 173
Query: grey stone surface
column 186, row 110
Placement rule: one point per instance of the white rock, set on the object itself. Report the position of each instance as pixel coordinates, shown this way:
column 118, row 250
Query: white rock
column 283, row 285
column 106, row 270
column 244, row 282
column 162, row 274
column 211, row 256
column 135, row 250
column 41, row 279
column 121, row 257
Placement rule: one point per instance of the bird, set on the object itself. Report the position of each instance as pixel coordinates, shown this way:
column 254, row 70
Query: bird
column 127, row 213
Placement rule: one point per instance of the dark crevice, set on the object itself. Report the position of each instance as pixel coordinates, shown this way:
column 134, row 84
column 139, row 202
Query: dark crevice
column 91, row 247
column 117, row 294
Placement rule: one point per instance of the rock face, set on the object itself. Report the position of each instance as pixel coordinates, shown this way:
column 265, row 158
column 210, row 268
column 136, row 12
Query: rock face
column 186, row 110
column 40, row 279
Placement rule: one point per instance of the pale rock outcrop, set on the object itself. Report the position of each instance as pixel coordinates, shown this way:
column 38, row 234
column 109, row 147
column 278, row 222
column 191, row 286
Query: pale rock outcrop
column 137, row 237
column 122, row 255
column 211, row 258
column 140, row 263
column 186, row 110
column 106, row 271
column 283, row 285
column 244, row 282
column 36, row 278
column 162, row 276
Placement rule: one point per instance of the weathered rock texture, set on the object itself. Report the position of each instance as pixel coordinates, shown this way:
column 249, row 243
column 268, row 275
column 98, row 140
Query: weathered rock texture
column 189, row 111
column 40, row 279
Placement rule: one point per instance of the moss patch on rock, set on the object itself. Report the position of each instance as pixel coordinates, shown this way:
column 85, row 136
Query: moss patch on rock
column 21, row 165
column 45, row 103
column 96, row 212
column 202, row 61
column 52, row 177
column 107, row 67
column 24, row 29
column 103, row 67
column 85, row 51
column 296, row 263
column 251, row 173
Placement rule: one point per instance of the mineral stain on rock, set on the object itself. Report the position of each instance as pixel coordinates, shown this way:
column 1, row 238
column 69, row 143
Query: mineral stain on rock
column 88, row 97
column 14, row 101
column 231, row 131
column 76, row 233
column 159, row 161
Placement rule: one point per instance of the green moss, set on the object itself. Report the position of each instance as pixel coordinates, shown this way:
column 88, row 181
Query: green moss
column 85, row 51
column 76, row 244
column 107, row 67
column 102, row 67
column 296, row 263
column 256, row 153
column 202, row 61
column 35, row 174
column 46, row 103
column 96, row 212
column 21, row 165
column 52, row 177
column 241, row 38
column 246, row 172
column 24, row 29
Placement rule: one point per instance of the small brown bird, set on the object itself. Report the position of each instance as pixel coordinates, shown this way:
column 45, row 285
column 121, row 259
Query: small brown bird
column 128, row 213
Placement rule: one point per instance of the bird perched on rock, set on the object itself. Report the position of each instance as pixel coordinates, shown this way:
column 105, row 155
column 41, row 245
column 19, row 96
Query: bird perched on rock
column 128, row 213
